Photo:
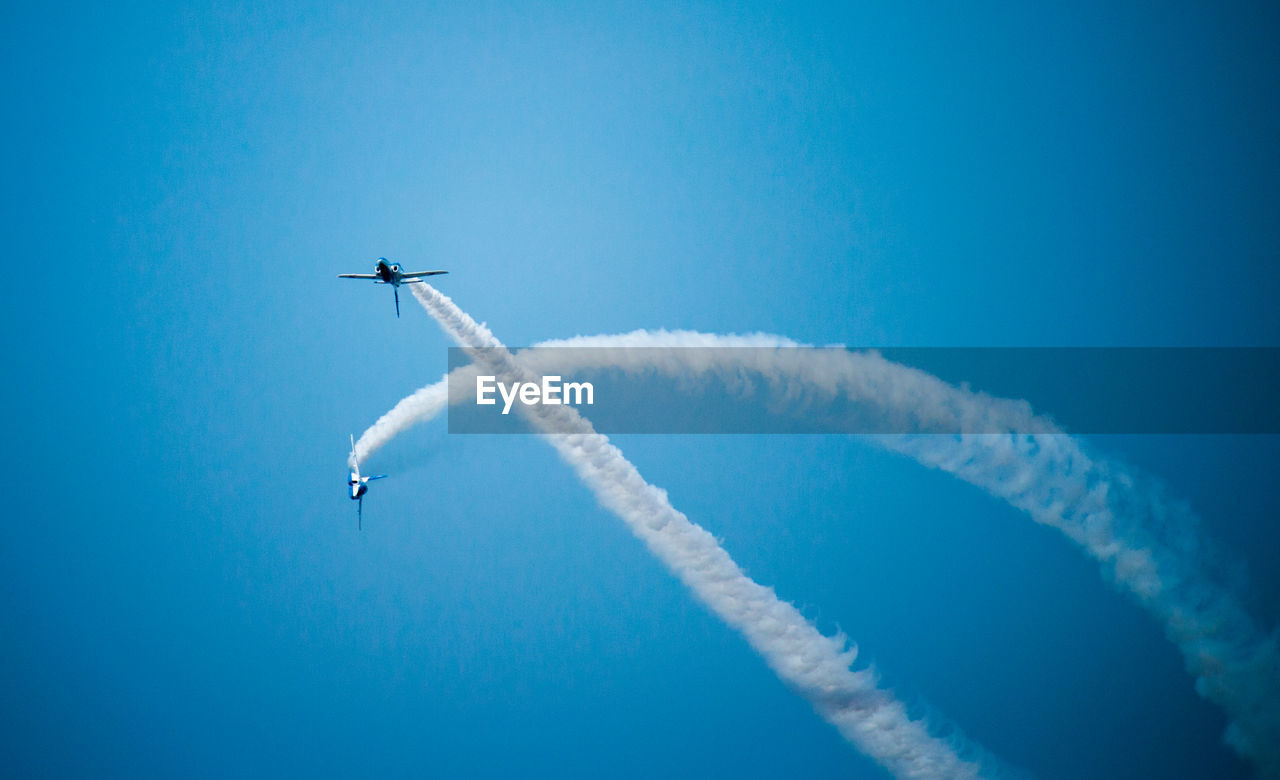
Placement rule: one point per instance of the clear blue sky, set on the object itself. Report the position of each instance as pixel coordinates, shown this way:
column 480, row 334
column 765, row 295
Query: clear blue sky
column 182, row 587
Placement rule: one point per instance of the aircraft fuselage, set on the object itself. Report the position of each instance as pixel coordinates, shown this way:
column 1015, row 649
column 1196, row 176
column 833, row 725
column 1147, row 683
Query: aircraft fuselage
column 388, row 273
column 357, row 485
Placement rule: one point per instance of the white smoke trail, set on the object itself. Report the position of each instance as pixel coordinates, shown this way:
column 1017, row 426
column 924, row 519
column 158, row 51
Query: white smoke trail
column 1146, row 543
column 816, row 666
column 422, row 405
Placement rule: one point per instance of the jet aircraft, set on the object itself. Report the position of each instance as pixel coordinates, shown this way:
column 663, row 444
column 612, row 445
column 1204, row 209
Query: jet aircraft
column 390, row 273
column 359, row 485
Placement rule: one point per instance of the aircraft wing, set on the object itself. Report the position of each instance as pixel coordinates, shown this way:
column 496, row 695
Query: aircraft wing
column 421, row 273
column 357, row 276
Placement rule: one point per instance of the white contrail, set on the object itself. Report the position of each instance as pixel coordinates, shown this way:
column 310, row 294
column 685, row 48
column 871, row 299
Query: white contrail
column 1146, row 543
column 816, row 666
column 422, row 405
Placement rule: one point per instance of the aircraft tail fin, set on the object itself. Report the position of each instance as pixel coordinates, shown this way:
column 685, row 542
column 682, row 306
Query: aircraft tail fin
column 397, row 291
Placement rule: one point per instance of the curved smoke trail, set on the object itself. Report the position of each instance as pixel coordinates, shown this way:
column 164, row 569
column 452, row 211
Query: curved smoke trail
column 1145, row 542
column 816, row 666
column 420, row 406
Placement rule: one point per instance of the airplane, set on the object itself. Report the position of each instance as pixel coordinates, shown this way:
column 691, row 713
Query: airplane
column 390, row 273
column 359, row 485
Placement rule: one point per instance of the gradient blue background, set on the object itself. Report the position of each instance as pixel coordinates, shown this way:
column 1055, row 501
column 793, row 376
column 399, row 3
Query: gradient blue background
column 183, row 591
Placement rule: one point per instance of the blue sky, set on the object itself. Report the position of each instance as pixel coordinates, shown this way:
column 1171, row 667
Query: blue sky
column 182, row 588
